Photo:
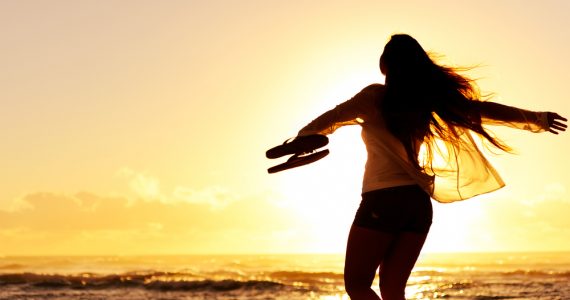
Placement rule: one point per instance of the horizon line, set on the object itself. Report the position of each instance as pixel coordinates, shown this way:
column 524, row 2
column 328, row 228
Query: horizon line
column 277, row 254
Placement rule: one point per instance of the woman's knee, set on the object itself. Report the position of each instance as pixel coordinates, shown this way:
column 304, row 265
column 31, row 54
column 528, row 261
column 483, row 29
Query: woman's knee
column 392, row 291
column 356, row 288
column 351, row 285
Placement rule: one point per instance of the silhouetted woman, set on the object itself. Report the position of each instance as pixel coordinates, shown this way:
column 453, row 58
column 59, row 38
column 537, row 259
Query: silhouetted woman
column 418, row 130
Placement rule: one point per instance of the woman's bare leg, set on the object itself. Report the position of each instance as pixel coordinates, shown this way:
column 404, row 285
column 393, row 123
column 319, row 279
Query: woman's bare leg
column 398, row 263
column 364, row 253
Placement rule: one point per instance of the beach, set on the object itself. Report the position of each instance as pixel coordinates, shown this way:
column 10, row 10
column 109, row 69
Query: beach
column 302, row 276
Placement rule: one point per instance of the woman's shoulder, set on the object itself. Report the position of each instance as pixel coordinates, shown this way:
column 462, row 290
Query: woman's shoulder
column 365, row 102
column 371, row 94
column 374, row 88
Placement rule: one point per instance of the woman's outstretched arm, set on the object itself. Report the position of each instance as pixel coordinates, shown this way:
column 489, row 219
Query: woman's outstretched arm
column 499, row 114
column 346, row 113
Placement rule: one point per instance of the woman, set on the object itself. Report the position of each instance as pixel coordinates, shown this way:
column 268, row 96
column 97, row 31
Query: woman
column 417, row 129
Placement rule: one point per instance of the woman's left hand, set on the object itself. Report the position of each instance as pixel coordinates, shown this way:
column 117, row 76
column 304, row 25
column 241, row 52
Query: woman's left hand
column 556, row 123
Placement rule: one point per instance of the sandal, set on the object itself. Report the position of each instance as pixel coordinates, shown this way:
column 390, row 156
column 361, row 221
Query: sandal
column 298, row 145
column 298, row 160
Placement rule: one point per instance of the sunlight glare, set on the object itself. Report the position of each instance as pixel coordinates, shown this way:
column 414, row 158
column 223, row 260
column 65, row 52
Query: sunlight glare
column 325, row 194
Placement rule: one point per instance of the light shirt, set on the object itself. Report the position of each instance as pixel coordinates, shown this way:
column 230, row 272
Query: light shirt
column 462, row 172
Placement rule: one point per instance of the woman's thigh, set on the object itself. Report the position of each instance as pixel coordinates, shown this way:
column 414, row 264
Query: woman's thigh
column 365, row 251
column 398, row 262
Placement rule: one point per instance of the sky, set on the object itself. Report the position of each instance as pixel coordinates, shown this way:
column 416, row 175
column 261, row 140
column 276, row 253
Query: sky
column 140, row 127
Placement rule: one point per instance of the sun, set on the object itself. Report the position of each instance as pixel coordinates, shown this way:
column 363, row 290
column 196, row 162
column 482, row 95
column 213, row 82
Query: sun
column 324, row 195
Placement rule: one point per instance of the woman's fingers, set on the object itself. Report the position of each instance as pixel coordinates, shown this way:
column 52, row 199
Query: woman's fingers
column 554, row 116
column 557, row 116
column 556, row 123
column 556, row 129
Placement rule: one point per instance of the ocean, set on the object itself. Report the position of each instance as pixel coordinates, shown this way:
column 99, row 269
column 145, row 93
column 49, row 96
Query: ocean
column 463, row 276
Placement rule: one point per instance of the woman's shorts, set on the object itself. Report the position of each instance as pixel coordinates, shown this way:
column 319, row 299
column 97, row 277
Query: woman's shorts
column 395, row 209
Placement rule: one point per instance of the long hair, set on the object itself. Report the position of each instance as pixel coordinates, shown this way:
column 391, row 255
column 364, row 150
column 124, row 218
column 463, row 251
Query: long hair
column 425, row 101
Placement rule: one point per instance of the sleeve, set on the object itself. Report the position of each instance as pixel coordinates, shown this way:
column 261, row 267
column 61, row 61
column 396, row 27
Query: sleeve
column 351, row 112
column 498, row 114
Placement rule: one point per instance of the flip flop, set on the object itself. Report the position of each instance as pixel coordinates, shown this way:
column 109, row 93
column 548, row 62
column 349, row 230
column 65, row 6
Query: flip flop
column 298, row 160
column 298, row 145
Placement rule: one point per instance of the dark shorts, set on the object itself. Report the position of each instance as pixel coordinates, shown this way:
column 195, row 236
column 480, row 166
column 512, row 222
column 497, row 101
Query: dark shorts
column 395, row 209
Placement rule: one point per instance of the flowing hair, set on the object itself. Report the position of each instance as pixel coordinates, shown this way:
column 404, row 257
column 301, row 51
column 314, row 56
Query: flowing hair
column 425, row 102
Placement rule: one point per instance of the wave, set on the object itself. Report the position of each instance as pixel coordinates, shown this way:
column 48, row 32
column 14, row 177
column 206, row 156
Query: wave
column 299, row 275
column 153, row 281
column 538, row 273
column 213, row 281
column 12, row 267
column 475, row 272
column 227, row 280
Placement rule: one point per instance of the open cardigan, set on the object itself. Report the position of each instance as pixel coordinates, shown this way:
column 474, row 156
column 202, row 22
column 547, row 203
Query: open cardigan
column 459, row 172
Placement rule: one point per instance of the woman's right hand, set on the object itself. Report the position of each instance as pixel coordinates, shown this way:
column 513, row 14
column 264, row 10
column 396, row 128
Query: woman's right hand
column 556, row 123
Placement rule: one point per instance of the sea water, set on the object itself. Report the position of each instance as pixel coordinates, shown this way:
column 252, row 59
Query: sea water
column 436, row 276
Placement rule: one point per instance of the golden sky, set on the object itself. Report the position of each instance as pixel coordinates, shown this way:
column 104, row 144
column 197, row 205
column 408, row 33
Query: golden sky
column 139, row 127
